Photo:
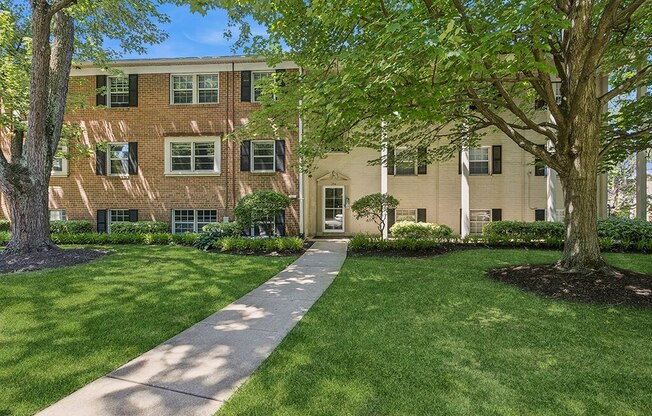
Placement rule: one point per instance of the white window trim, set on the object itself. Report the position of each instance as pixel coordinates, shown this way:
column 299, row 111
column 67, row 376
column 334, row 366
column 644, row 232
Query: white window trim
column 108, row 91
column 414, row 210
column 253, row 84
column 168, row 155
column 108, row 218
column 64, row 164
column 108, row 159
column 195, row 223
column 251, row 151
column 488, row 162
column 481, row 209
column 195, row 88
column 63, row 211
column 415, row 171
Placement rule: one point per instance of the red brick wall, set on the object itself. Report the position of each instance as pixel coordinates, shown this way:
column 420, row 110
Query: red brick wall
column 83, row 192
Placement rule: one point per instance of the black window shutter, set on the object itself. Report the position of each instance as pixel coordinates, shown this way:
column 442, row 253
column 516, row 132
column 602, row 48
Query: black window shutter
column 100, row 161
column 421, row 215
column 459, row 162
column 281, row 82
column 391, row 160
column 279, row 224
column 391, row 218
column 539, row 215
column 460, row 220
column 245, row 86
column 423, row 165
column 100, row 97
column 540, row 104
column 496, row 160
column 245, row 156
column 280, row 155
column 133, row 90
column 101, row 220
column 539, row 166
column 133, row 215
column 496, row 214
column 133, row 158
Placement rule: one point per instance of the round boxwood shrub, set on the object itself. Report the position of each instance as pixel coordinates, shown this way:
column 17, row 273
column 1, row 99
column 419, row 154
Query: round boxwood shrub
column 260, row 209
column 420, row 230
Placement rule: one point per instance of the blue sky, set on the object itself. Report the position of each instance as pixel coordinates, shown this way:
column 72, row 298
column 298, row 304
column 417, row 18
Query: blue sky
column 191, row 35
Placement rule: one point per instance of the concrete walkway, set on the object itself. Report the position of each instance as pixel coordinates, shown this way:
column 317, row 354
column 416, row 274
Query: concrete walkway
column 194, row 372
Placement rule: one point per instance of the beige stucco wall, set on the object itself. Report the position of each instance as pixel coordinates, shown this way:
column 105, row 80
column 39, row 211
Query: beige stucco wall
column 516, row 191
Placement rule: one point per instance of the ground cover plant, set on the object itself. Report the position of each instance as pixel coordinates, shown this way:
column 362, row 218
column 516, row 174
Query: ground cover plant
column 434, row 335
column 62, row 328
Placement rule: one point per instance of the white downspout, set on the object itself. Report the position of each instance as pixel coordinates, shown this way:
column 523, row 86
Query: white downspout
column 383, row 173
column 465, row 202
column 301, row 198
column 551, row 190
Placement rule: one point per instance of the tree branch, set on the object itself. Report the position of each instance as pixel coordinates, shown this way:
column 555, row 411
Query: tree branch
column 626, row 85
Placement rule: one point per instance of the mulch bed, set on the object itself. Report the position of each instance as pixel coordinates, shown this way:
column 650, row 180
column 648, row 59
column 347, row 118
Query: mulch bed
column 46, row 259
column 622, row 287
column 443, row 249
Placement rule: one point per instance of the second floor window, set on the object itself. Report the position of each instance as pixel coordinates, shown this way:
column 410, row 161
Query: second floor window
column 479, row 161
column 192, row 155
column 118, row 154
column 262, row 156
column 405, row 164
column 195, row 89
column 118, row 92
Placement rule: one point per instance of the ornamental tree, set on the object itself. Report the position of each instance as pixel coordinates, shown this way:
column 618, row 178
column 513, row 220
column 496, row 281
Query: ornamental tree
column 443, row 73
column 38, row 41
column 373, row 207
column 260, row 209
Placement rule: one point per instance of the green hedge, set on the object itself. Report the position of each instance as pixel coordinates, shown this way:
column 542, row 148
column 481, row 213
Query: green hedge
column 4, row 238
column 618, row 229
column 70, row 227
column 216, row 231
column 260, row 245
column 420, row 230
column 364, row 242
column 5, row 225
column 186, row 239
column 139, row 227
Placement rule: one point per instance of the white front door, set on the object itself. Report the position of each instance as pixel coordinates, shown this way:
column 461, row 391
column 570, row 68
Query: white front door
column 333, row 198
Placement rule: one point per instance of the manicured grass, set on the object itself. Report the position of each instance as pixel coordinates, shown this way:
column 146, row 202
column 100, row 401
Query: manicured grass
column 62, row 328
column 424, row 336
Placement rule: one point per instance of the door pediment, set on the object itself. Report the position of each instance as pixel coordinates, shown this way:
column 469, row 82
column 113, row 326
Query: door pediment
column 333, row 176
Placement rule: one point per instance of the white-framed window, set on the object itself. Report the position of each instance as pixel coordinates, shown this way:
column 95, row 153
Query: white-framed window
column 404, row 164
column 58, row 215
column 192, row 220
column 117, row 215
column 263, row 156
column 405, row 214
column 256, row 85
column 192, row 155
column 195, row 89
column 479, row 161
column 556, row 87
column 60, row 163
column 479, row 218
column 560, row 214
column 117, row 159
column 118, row 92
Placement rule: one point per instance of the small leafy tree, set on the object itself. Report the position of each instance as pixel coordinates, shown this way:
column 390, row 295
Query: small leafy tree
column 371, row 207
column 260, row 209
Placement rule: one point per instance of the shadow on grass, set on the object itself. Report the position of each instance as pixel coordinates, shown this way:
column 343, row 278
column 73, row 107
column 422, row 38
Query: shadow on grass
column 62, row 328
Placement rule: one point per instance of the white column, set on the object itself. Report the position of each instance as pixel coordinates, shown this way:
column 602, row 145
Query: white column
column 301, row 190
column 641, row 173
column 383, row 172
column 465, row 201
column 551, row 192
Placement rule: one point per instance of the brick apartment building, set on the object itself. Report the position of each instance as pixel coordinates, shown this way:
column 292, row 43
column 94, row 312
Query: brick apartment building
column 159, row 154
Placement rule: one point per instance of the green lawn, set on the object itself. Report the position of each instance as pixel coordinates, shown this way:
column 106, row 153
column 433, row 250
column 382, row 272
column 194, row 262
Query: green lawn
column 62, row 328
column 406, row 336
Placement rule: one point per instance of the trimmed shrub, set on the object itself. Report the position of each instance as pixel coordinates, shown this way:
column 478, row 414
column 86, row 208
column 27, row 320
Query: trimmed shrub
column 524, row 230
column 70, row 227
column 259, row 245
column 624, row 229
column 5, row 225
column 215, row 231
column 119, row 238
column 420, row 230
column 4, row 238
column 139, row 227
column 260, row 209
column 365, row 242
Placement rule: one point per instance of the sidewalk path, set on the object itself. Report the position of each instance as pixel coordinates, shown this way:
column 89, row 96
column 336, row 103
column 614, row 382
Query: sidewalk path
column 194, row 372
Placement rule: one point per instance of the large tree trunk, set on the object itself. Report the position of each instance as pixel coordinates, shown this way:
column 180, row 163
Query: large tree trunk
column 30, row 221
